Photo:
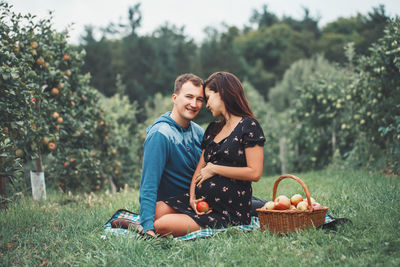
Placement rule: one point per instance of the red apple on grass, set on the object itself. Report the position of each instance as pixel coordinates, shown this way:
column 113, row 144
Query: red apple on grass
column 282, row 203
column 296, row 199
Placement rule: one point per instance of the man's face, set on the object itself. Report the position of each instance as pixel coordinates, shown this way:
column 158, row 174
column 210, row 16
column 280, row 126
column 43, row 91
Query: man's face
column 188, row 101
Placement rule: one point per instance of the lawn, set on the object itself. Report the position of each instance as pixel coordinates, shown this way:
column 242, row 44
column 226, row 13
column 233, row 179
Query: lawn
column 66, row 229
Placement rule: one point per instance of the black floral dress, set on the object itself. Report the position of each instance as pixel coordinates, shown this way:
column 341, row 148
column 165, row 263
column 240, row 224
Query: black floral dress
column 229, row 199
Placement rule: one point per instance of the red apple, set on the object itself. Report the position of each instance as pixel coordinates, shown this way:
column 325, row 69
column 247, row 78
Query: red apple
column 19, row 153
column 54, row 91
column 282, row 203
column 55, row 115
column 302, row 206
column 316, row 205
column 296, row 199
column 45, row 140
column 292, row 207
column 202, row 206
column 40, row 61
column 269, row 205
column 51, row 146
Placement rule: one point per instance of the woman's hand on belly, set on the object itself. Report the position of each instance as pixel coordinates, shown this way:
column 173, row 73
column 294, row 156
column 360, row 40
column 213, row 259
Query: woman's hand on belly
column 205, row 173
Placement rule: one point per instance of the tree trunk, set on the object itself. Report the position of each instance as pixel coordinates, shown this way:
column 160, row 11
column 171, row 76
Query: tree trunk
column 39, row 159
column 334, row 141
column 38, row 164
column 2, row 192
column 283, row 155
column 113, row 187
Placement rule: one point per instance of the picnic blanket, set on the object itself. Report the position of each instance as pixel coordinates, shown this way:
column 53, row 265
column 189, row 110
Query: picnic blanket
column 206, row 232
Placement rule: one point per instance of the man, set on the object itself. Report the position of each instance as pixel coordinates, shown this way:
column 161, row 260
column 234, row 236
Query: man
column 171, row 152
column 171, row 149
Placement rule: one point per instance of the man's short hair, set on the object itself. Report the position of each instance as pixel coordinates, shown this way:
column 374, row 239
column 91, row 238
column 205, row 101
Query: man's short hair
column 187, row 77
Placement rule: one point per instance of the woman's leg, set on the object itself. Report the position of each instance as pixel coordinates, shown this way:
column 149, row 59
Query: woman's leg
column 162, row 209
column 176, row 224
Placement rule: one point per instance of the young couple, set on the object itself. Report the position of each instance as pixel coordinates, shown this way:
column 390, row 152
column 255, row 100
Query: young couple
column 182, row 164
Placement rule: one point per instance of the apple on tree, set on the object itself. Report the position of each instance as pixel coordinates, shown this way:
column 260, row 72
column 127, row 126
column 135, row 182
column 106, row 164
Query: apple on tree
column 19, row 153
column 55, row 115
column 34, row 45
column 40, row 61
column 45, row 140
column 54, row 91
column 51, row 146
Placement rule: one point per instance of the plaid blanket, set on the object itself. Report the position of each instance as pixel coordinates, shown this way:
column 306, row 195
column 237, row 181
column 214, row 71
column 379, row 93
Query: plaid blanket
column 206, row 232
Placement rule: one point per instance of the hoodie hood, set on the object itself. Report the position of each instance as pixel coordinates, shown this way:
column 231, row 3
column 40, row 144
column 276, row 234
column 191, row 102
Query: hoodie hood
column 166, row 118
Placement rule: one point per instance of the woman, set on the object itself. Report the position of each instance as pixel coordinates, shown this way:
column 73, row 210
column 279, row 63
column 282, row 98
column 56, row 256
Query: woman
column 232, row 158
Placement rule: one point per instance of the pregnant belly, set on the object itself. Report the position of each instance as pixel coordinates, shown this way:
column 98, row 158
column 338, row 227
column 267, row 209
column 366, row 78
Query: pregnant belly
column 223, row 190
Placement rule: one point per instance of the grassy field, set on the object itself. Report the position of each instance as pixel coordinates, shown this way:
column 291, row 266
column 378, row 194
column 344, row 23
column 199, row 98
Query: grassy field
column 66, row 230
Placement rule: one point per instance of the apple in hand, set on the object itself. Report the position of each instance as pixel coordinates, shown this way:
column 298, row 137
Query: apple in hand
column 270, row 205
column 296, row 199
column 282, row 203
column 202, row 206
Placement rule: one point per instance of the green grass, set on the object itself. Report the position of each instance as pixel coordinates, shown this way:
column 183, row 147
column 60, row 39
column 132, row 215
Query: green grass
column 66, row 230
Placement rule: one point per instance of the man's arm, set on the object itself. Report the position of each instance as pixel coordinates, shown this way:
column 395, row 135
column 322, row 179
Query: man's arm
column 154, row 160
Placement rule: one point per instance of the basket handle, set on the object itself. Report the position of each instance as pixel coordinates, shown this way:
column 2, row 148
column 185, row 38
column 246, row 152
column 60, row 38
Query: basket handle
column 299, row 181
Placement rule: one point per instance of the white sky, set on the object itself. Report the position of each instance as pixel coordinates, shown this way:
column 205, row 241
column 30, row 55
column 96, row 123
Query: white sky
column 194, row 15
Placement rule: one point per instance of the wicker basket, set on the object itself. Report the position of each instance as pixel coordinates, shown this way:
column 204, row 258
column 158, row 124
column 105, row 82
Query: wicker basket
column 283, row 221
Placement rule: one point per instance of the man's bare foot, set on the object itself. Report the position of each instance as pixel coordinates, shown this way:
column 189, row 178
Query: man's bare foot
column 127, row 224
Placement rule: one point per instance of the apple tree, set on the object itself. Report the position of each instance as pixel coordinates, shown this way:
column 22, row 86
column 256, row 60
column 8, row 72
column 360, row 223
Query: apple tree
column 321, row 116
column 49, row 111
column 376, row 98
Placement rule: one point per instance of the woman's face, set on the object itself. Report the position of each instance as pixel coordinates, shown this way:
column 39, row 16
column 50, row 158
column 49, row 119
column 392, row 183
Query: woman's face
column 215, row 103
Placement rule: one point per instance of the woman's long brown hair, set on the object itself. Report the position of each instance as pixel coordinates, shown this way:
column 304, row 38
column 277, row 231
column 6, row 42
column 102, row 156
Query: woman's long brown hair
column 231, row 92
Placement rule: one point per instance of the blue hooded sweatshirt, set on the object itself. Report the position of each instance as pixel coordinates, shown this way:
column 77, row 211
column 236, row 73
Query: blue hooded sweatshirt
column 171, row 154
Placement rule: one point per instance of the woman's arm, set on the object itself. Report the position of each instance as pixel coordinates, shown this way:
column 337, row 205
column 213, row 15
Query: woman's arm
column 192, row 196
column 200, row 165
column 253, row 171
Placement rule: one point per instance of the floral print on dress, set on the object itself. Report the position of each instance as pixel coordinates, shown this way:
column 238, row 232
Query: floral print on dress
column 229, row 199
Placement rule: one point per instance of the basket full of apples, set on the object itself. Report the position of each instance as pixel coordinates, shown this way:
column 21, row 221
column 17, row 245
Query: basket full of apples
column 284, row 215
